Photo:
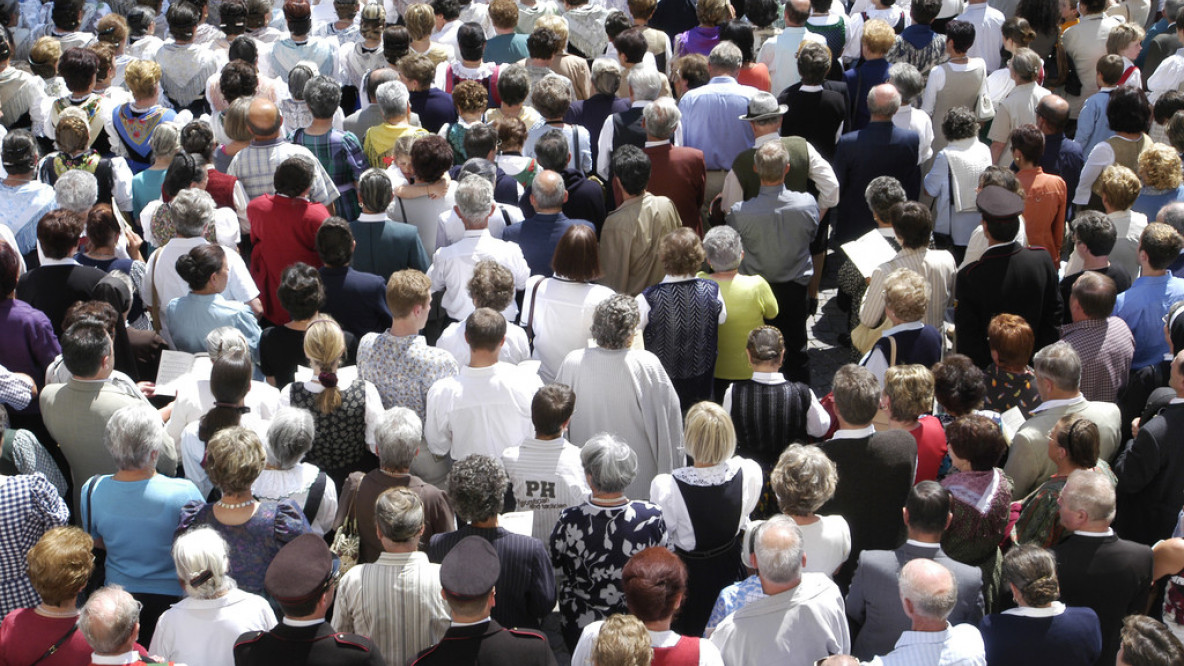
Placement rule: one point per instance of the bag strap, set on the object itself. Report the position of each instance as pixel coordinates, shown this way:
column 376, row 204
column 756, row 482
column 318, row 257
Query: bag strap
column 575, row 138
column 892, row 352
column 315, row 494
column 154, row 310
column 8, row 453
column 90, row 490
column 534, row 299
column 54, row 648
column 403, row 210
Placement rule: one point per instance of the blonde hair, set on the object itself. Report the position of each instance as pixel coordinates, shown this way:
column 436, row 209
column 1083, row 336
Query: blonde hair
column 1119, row 186
column 910, row 390
column 420, row 20
column 623, row 641
column 73, row 134
column 60, row 563
column 803, row 480
column 711, row 12
column 878, row 36
column 906, row 293
column 324, row 345
column 1123, row 35
column 234, row 459
column 44, row 56
column 1160, row 168
column 556, row 24
column 709, row 435
column 141, row 78
column 406, row 289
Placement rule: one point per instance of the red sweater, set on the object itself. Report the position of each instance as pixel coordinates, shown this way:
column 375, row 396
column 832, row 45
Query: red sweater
column 283, row 231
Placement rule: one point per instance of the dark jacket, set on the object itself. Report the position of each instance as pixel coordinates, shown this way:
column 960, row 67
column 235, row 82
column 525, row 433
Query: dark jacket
column 1150, row 471
column 489, row 645
column 815, row 116
column 538, row 235
column 356, row 300
column 880, row 149
column 318, row 645
column 585, row 200
column 434, row 107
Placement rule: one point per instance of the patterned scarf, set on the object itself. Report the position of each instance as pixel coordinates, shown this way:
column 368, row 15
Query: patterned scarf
column 91, row 106
column 87, row 161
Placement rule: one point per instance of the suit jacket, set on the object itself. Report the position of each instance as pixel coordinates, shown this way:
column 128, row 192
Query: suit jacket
column 874, row 598
column 53, row 289
column 356, row 300
column 1108, row 574
column 360, row 122
column 1164, row 45
column 1027, row 459
column 318, row 645
column 1150, row 473
column 880, row 149
column 592, row 112
column 505, row 188
column 1008, row 278
column 488, row 644
column 585, row 199
column 682, row 179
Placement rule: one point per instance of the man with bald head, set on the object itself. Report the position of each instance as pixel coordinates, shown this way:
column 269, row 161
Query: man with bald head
column 110, row 622
column 1062, row 156
column 255, row 165
column 880, row 149
column 539, row 234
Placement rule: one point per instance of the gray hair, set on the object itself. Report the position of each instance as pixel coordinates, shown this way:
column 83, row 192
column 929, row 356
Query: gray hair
column 930, row 587
column 548, row 190
column 393, row 98
column 882, row 194
column 480, row 167
column 1091, row 492
column 770, row 161
column 290, row 437
column 202, row 561
column 108, row 619
column 1171, row 8
column 1173, row 213
column 397, row 438
column 725, row 57
column 1060, row 364
column 661, row 118
column 399, row 514
column 606, row 75
column 477, row 488
column 133, row 434
column 1025, row 64
column 322, row 94
column 724, row 248
column 614, row 321
column 376, row 190
column 645, row 83
column 890, row 106
column 192, row 209
column 165, row 140
column 610, row 462
column 76, row 190
column 779, row 550
column 907, row 81
column 223, row 339
column 299, row 76
column 474, row 201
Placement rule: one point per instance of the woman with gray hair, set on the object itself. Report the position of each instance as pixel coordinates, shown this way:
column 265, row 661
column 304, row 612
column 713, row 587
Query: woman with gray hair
column 203, row 627
column 953, row 179
column 165, row 144
column 593, row 541
column 881, row 195
column 625, row 391
column 133, row 513
column 910, row 84
column 803, row 480
column 287, row 476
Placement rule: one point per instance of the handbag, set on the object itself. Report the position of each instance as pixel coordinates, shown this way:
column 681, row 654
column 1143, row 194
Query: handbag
column 347, row 542
column 984, row 108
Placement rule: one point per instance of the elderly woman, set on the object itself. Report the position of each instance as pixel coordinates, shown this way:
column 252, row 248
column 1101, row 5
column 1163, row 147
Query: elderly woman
column 431, row 158
column 655, row 583
column 881, row 195
column 909, row 339
column 559, row 309
column 748, row 301
column 1161, row 173
column 492, row 286
column 204, row 626
column 164, row 144
column 115, row 180
column 59, row 566
column 339, row 152
column 703, row 37
column 907, row 401
column 234, row 123
column 910, row 84
column 287, row 476
column 384, row 246
column 1011, row 382
column 706, row 508
column 685, row 344
column 1041, row 630
column 281, row 348
column 804, row 480
column 133, row 125
column 552, row 97
column 187, row 171
column 957, row 217
column 190, row 318
column 132, row 514
column 981, row 498
column 592, row 542
column 1073, row 444
column 255, row 530
column 23, row 199
column 647, row 417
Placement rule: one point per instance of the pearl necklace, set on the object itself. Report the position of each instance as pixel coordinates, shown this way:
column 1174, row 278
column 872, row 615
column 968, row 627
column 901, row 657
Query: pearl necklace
column 240, row 505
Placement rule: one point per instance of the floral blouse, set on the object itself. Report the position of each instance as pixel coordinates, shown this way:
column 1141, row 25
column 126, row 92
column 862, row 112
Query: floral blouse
column 254, row 543
column 403, row 368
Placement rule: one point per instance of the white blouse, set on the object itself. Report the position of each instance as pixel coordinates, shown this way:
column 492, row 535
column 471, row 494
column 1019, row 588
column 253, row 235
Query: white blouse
column 295, row 483
column 826, row 543
column 665, row 493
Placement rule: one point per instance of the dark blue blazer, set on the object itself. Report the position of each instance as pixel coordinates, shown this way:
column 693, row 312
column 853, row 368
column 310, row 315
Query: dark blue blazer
column 592, row 112
column 1072, row 638
column 356, row 300
column 860, row 80
column 538, row 236
column 880, row 149
column 505, row 190
column 585, row 200
column 434, row 107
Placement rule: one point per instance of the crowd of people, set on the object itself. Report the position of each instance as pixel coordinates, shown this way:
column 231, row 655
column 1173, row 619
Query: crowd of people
column 381, row 332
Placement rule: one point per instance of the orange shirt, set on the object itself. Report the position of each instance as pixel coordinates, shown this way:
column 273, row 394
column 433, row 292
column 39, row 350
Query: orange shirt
column 1044, row 210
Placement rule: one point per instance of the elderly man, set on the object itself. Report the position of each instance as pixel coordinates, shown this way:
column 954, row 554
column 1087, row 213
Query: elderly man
column 1102, row 341
column 1019, row 106
column 626, row 127
column 396, row 601
column 1085, row 42
column 1062, row 156
column 452, row 266
column 780, row 54
column 800, row 620
column 879, row 149
column 683, row 170
column 1094, row 567
column 777, row 227
column 629, row 257
column 708, row 112
column 526, row 582
column 540, row 233
column 873, row 603
column 585, row 198
column 1144, row 305
column 393, row 100
column 360, row 122
column 255, row 165
column 1058, row 378
column 110, row 622
column 929, row 594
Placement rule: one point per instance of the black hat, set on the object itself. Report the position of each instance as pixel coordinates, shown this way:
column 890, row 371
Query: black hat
column 470, row 569
column 301, row 571
column 999, row 203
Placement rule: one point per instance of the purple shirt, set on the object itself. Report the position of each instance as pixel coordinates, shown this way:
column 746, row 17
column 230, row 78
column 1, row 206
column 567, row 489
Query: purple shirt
column 29, row 343
column 696, row 40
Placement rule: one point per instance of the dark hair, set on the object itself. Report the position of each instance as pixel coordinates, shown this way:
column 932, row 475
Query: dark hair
column 65, row 14
column 740, row 33
column 913, row 224
column 959, row 385
column 632, row 167
column 298, row 16
column 1167, row 105
column 470, row 39
column 198, row 266
column 396, row 43
column 480, row 140
column 238, row 79
column 924, row 11
column 1043, row 16
column 293, row 177
column 1110, row 67
column 230, row 380
column 58, row 232
column 78, row 68
column 976, row 439
column 301, row 292
column 1080, row 439
column 928, row 505
column 10, row 267
column 653, row 580
column 449, row 9
column 244, row 48
column 959, row 123
column 198, row 139
column 1128, row 110
column 1146, row 642
column 183, row 172
column 102, row 229
column 232, row 17
column 631, row 44
column 961, row 33
column 431, row 157
column 543, row 43
column 182, row 18
column 577, row 255
column 83, row 347
column 1093, row 6
column 378, row 77
column 551, row 407
column 101, row 312
column 1161, row 243
column 1096, row 231
column 335, row 242
column 1003, row 231
column 1029, row 141
column 485, row 329
column 139, row 19
column 763, row 13
column 19, row 152
column 814, row 63
column 693, row 68
column 615, row 22
column 552, row 150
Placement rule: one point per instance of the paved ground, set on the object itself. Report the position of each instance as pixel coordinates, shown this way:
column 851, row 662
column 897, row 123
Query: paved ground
column 826, row 353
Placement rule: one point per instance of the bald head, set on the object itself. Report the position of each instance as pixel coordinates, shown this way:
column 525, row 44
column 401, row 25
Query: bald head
column 883, row 101
column 264, row 119
column 109, row 621
column 796, row 12
column 547, row 192
column 927, row 590
column 1052, row 113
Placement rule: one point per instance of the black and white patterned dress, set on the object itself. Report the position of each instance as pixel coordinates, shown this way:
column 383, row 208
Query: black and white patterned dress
column 340, row 444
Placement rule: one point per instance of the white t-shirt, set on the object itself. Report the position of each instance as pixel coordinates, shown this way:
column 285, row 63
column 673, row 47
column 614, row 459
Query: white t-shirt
column 826, row 543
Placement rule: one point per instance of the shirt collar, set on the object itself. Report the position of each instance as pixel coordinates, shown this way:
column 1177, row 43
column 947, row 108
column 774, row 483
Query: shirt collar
column 267, row 142
column 108, row 659
column 767, row 138
column 470, row 624
column 723, row 79
column 67, row 261
column 806, row 88
column 302, row 623
column 768, row 377
column 1053, row 404
column 923, row 544
column 669, row 279
column 906, row 326
column 639, row 104
column 1056, row 608
column 372, row 217
column 475, row 233
column 856, row 433
column 1098, row 535
column 654, row 144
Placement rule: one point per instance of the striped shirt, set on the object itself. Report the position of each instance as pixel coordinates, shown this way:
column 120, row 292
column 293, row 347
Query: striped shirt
column 959, row 645
column 255, row 166
column 546, row 477
column 938, row 269
column 396, row 602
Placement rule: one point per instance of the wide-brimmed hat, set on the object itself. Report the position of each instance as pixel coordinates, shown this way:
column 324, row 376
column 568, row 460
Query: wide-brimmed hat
column 764, row 106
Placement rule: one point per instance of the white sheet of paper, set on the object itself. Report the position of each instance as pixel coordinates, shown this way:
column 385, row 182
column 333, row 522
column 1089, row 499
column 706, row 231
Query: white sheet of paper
column 518, row 522
column 1012, row 419
column 869, row 251
column 174, row 366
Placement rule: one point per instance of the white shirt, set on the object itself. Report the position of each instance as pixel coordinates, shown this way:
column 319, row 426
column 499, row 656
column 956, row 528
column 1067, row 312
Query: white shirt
column 562, row 318
column 960, row 645
column 515, row 350
column 167, row 285
column 546, row 477
column 826, row 544
column 203, row 631
column 295, row 483
column 374, row 409
column 193, row 450
column 665, row 493
column 819, row 171
column 854, row 433
column 452, row 268
column 817, row 419
column 450, row 228
column 1168, row 76
column 582, row 655
column 226, row 225
column 194, row 399
column 1099, row 158
column 481, row 410
column 988, row 33
column 915, row 119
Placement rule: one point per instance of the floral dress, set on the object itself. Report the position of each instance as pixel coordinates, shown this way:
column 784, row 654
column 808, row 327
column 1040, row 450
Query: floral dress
column 254, row 543
column 1010, row 389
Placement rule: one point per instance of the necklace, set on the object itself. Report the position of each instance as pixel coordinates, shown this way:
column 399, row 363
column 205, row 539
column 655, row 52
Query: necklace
column 240, row 505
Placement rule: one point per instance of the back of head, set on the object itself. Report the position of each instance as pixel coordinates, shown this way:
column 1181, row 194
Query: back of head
column 928, row 505
column 474, row 202
column 960, row 35
column 614, row 321
column 1060, row 364
column 60, row 563
column 513, row 84
column 1161, row 243
column 606, row 75
column 1029, row 141
column 399, row 514
column 397, row 438
column 623, row 641
column 552, row 150
column 393, row 99
column 289, row 437
column 883, row 101
column 724, row 248
column 202, row 562
column 725, row 59
column 632, row 45
column 631, row 166
column 814, row 62
column 470, row 39
column 609, row 462
column 1033, row 572
column 1091, row 492
column 322, row 94
column 405, row 290
column 1128, row 110
column 907, row 80
column 653, row 580
column 109, row 620
column 857, row 394
column 913, row 224
column 779, row 550
column 1096, row 294
column 1146, row 642
column 1011, row 339
column 58, row 233
column 645, row 83
column 477, row 488
column 551, row 408
column 929, row 587
column 485, row 330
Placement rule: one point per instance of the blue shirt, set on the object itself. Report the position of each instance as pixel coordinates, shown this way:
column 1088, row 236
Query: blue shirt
column 1093, row 127
column 1063, row 157
column 777, row 227
column 1142, row 307
column 1150, row 201
column 434, row 107
column 711, row 121
column 734, row 597
column 505, row 49
column 145, row 189
column 538, row 236
column 21, row 207
column 191, row 317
